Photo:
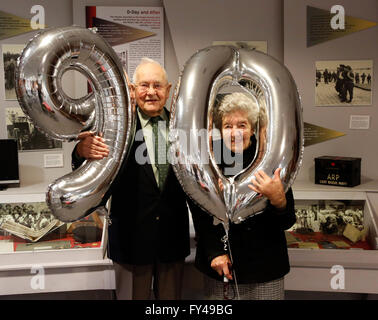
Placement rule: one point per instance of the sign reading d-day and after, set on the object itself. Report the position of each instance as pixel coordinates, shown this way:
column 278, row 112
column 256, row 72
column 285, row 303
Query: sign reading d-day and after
column 133, row 32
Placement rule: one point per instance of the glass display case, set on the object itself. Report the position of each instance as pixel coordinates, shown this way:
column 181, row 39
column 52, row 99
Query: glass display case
column 336, row 229
column 72, row 256
column 331, row 224
column 31, row 226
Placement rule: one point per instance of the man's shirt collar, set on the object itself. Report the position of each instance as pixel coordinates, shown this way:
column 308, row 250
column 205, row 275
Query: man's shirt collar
column 144, row 119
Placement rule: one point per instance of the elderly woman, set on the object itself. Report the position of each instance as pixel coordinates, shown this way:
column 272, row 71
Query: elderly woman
column 258, row 244
column 237, row 118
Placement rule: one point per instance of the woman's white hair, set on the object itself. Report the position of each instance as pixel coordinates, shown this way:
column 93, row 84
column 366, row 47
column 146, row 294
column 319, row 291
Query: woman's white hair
column 144, row 61
column 238, row 101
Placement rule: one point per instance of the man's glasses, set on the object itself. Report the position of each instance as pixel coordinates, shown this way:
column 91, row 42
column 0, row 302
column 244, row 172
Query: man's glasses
column 144, row 87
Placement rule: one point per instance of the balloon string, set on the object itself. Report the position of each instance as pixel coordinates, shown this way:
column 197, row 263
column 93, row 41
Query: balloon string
column 105, row 211
column 107, row 217
column 226, row 242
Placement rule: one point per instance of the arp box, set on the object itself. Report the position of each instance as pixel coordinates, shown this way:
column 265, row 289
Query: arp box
column 338, row 171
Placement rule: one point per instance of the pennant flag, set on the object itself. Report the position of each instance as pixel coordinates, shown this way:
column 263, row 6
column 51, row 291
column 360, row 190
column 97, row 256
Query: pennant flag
column 319, row 26
column 11, row 25
column 115, row 33
column 314, row 134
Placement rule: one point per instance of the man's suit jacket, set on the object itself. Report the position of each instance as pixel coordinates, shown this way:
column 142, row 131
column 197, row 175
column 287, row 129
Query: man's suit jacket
column 148, row 225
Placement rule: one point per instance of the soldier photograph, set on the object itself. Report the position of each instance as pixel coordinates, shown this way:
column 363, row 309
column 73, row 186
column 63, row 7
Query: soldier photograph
column 10, row 56
column 343, row 83
column 23, row 131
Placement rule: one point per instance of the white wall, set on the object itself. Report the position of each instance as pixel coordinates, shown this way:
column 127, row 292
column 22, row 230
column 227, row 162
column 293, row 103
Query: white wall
column 195, row 24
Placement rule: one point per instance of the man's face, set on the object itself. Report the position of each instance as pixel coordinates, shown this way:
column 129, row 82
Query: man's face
column 151, row 89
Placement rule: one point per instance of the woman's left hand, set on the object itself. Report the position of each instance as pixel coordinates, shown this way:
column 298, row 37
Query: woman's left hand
column 270, row 188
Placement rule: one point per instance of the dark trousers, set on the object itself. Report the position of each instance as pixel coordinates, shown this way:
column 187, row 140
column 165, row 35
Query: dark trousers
column 348, row 89
column 135, row 282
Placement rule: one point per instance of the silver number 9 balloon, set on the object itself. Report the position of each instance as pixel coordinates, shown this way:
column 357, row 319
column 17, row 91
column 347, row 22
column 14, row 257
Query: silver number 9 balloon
column 107, row 109
column 192, row 112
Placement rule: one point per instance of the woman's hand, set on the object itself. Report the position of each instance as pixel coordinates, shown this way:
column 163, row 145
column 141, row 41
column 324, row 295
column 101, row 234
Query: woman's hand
column 220, row 184
column 91, row 147
column 222, row 265
column 270, row 188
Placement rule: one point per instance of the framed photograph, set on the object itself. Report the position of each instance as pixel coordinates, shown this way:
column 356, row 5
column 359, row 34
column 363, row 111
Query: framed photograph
column 23, row 131
column 10, row 54
column 343, row 83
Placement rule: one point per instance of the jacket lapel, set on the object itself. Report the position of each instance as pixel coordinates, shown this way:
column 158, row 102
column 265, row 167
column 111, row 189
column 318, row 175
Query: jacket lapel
column 170, row 169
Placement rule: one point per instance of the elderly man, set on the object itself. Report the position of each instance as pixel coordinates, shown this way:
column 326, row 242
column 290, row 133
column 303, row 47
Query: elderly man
column 149, row 234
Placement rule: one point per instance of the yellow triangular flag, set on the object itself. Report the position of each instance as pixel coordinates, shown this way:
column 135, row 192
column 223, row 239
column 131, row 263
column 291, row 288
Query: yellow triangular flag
column 11, row 25
column 319, row 26
column 314, row 134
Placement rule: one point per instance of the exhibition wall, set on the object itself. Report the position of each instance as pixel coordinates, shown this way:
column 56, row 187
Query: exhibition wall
column 283, row 25
column 196, row 24
column 300, row 60
column 193, row 25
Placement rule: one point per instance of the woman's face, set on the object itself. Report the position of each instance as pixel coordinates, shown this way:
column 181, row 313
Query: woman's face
column 236, row 131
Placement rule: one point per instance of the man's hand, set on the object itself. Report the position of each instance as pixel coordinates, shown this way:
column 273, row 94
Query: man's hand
column 270, row 188
column 91, row 147
column 222, row 265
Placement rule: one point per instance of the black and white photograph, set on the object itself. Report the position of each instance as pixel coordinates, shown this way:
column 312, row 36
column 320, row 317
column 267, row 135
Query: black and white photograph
column 29, row 221
column 328, row 217
column 35, row 215
column 23, row 131
column 10, row 54
column 343, row 83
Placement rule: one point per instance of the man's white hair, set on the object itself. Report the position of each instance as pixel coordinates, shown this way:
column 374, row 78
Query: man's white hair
column 144, row 61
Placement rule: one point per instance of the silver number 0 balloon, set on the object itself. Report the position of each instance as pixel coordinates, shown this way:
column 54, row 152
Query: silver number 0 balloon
column 107, row 109
column 271, row 84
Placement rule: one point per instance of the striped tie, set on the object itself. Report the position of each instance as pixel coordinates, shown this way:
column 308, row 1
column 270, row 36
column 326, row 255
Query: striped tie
column 160, row 143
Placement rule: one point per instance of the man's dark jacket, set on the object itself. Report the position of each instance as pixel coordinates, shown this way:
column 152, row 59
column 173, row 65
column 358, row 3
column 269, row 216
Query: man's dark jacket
column 148, row 225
